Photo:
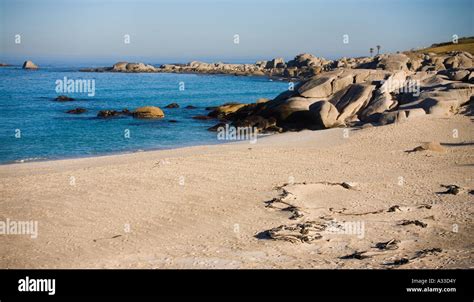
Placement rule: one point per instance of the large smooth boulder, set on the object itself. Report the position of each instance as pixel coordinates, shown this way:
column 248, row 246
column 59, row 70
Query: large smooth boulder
column 440, row 106
column 393, row 62
column 306, row 60
column 342, row 82
column 318, row 87
column 355, row 98
column 442, row 100
column 456, row 74
column 394, row 82
column 381, row 102
column 29, row 65
column 324, row 113
column 292, row 109
column 462, row 60
column 148, row 112
column 362, row 75
column 465, row 60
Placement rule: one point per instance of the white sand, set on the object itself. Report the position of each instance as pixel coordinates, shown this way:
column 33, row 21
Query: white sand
column 201, row 207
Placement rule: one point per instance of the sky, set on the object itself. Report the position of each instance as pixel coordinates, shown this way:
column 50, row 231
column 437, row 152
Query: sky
column 171, row 31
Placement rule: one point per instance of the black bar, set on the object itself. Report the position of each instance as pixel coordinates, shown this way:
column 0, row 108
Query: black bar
column 331, row 283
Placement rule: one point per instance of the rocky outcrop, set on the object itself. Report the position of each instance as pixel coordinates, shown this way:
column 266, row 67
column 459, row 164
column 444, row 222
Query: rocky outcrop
column 317, row 87
column 275, row 63
column 63, row 98
column 148, row 112
column 354, row 99
column 113, row 113
column 132, row 67
column 306, row 66
column 383, row 89
column 414, row 61
column 347, row 97
column 172, row 106
column 78, row 110
column 393, row 62
column 226, row 109
column 29, row 65
column 301, row 67
column 325, row 114
column 258, row 122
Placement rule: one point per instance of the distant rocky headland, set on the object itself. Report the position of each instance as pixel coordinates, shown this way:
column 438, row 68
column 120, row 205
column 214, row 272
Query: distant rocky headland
column 302, row 66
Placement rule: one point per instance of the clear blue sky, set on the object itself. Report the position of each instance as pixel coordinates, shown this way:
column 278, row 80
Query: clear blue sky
column 184, row 30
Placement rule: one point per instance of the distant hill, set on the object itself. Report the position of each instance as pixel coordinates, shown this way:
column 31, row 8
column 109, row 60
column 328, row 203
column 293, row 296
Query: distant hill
column 464, row 44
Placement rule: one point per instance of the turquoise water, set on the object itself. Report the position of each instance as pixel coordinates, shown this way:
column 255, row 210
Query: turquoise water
column 34, row 127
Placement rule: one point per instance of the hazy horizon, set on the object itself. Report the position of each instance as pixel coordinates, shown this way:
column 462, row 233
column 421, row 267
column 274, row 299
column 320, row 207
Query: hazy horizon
column 93, row 32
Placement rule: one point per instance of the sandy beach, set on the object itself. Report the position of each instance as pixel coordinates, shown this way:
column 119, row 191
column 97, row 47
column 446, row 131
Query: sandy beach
column 209, row 206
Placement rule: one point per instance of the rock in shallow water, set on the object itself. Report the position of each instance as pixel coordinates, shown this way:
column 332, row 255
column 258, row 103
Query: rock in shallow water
column 63, row 98
column 113, row 113
column 172, row 105
column 76, row 111
column 148, row 112
column 29, row 65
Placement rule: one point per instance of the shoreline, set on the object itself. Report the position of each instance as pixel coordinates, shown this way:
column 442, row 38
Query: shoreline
column 124, row 155
column 208, row 206
column 118, row 153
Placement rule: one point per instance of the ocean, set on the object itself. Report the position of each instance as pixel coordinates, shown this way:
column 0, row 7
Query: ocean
column 35, row 127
